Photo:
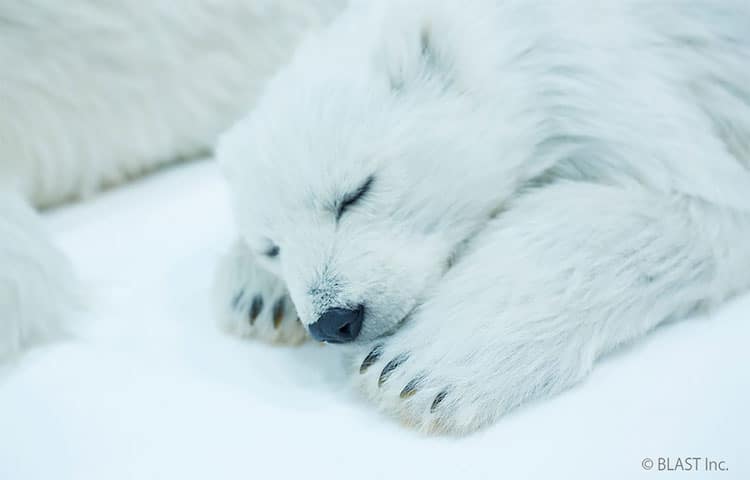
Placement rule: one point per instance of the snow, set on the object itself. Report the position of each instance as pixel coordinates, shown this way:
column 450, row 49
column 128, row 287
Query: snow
column 148, row 388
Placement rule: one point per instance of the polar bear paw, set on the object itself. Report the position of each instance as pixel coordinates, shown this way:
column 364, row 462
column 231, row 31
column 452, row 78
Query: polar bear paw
column 252, row 302
column 443, row 374
column 427, row 389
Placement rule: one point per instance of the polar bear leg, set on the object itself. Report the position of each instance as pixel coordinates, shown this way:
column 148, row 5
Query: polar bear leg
column 567, row 274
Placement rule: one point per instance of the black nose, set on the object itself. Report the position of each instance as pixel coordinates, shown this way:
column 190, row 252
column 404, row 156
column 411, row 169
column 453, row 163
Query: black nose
column 338, row 325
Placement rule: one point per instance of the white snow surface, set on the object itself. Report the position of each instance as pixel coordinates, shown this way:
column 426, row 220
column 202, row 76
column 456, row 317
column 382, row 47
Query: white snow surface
column 147, row 387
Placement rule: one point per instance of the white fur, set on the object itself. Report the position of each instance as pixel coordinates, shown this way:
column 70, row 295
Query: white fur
column 96, row 91
column 551, row 179
column 36, row 287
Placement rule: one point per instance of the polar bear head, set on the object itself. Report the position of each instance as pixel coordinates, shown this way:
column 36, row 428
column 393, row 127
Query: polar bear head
column 364, row 171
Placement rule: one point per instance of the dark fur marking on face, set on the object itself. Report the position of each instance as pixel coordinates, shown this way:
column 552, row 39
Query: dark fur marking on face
column 352, row 198
column 428, row 52
column 434, row 65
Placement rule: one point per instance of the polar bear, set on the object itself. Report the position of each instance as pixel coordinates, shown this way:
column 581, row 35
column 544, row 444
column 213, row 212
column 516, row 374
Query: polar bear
column 479, row 199
column 95, row 92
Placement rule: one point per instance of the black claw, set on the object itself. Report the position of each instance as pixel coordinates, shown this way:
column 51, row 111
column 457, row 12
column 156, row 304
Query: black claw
column 438, row 399
column 237, row 299
column 278, row 313
column 390, row 367
column 255, row 307
column 411, row 387
column 371, row 358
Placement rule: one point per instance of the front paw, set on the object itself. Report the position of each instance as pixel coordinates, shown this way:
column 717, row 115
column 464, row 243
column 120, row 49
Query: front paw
column 252, row 302
column 417, row 384
column 445, row 376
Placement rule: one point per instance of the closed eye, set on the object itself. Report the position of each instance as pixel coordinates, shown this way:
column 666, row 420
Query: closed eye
column 352, row 198
column 272, row 251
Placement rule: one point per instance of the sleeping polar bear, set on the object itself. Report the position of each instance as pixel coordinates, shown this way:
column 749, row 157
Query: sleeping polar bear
column 478, row 199
column 482, row 198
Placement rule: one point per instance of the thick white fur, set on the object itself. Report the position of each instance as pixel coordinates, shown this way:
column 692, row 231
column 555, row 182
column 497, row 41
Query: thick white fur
column 550, row 179
column 36, row 286
column 96, row 91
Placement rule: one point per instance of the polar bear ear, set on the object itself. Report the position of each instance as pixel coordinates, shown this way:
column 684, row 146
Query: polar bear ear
column 413, row 58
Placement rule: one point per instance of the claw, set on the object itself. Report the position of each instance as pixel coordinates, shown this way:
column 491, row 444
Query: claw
column 390, row 367
column 371, row 358
column 237, row 299
column 278, row 313
column 255, row 307
column 411, row 388
column 438, row 399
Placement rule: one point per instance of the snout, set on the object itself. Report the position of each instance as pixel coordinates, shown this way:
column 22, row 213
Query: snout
column 338, row 325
